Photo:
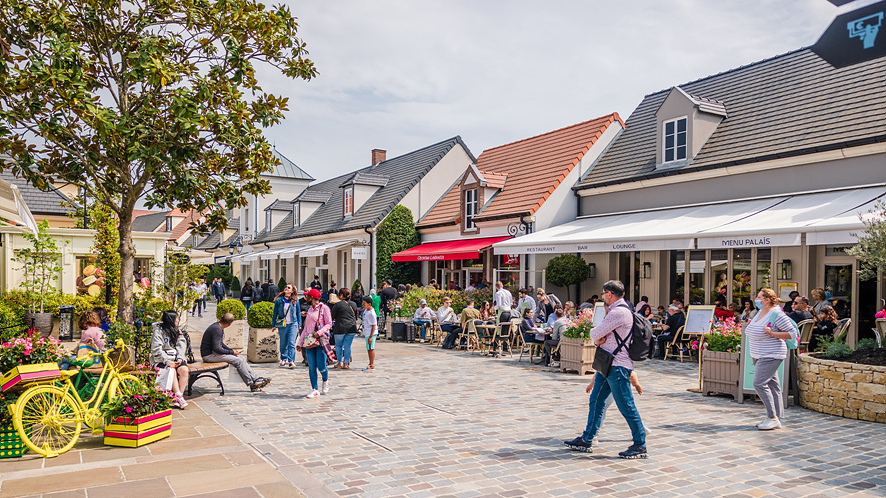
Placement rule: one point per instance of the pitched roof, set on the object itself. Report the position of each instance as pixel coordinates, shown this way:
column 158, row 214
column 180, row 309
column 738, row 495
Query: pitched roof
column 279, row 205
column 288, row 169
column 184, row 225
column 367, row 179
column 38, row 201
column 403, row 173
column 313, row 195
column 789, row 105
column 149, row 222
column 210, row 242
column 542, row 160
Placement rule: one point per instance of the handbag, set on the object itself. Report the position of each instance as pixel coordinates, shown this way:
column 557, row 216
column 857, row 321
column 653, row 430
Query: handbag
column 603, row 359
column 311, row 341
column 281, row 322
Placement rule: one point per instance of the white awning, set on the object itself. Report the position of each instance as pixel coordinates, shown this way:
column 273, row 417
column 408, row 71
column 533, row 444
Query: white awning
column 252, row 256
column 13, row 207
column 321, row 249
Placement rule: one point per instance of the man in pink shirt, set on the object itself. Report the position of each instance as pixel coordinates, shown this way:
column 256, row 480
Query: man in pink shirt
column 618, row 322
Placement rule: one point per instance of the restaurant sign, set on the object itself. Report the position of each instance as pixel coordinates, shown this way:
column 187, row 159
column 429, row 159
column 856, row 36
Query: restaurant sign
column 854, row 37
column 511, row 260
column 612, row 246
column 737, row 242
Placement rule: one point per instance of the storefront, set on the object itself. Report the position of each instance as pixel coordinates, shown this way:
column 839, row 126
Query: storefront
column 460, row 263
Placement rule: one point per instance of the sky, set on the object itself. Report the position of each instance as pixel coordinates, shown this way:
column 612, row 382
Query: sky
column 401, row 75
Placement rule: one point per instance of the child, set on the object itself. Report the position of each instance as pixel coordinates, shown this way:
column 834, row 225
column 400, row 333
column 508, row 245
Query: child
column 92, row 338
column 370, row 330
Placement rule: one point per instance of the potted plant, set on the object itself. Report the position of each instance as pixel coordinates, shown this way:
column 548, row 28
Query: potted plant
column 137, row 417
column 721, row 359
column 263, row 345
column 27, row 359
column 235, row 334
column 11, row 445
column 577, row 349
column 235, row 288
column 41, row 268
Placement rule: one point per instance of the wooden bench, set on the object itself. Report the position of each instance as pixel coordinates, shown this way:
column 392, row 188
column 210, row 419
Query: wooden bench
column 200, row 369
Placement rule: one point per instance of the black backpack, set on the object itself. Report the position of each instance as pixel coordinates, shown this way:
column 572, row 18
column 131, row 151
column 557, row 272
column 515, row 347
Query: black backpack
column 640, row 346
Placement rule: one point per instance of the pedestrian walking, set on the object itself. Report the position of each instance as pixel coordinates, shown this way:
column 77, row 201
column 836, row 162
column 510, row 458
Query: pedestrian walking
column 767, row 334
column 199, row 289
column 246, row 294
column 318, row 322
column 370, row 330
column 613, row 335
column 286, row 321
column 218, row 290
column 344, row 326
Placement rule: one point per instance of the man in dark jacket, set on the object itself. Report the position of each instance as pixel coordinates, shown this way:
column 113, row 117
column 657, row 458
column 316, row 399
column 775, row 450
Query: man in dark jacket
column 214, row 350
column 272, row 291
column 264, row 290
column 218, row 290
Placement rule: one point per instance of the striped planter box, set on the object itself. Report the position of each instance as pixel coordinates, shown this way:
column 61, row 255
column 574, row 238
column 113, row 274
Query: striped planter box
column 21, row 375
column 11, row 445
column 132, row 433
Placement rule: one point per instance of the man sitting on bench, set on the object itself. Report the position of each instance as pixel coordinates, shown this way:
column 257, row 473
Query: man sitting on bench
column 213, row 350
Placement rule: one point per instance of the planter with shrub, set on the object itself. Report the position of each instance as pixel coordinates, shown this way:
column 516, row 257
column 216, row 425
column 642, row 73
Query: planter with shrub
column 235, row 335
column 137, row 418
column 721, row 360
column 577, row 349
column 41, row 268
column 263, row 346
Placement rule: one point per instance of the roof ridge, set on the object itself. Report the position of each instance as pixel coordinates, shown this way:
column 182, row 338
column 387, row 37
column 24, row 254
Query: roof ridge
column 721, row 73
column 612, row 115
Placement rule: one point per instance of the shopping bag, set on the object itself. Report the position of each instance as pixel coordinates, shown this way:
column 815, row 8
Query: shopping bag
column 165, row 377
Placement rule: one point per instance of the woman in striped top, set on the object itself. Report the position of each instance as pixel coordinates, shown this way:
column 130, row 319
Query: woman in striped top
column 767, row 334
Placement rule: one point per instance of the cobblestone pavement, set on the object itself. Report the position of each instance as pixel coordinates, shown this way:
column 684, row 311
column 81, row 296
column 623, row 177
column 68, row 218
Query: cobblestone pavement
column 429, row 422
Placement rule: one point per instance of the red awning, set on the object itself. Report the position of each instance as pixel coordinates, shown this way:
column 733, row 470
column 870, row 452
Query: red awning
column 447, row 250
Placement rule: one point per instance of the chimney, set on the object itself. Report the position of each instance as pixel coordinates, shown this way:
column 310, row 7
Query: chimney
column 378, row 155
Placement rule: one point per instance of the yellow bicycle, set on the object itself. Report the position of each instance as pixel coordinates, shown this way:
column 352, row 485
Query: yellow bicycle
column 49, row 415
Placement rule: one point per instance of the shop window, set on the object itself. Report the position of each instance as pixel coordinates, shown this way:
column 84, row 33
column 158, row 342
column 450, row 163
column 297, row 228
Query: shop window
column 678, row 280
column 719, row 269
column 741, row 277
column 763, row 278
column 697, row 265
column 470, row 208
column 674, row 140
column 90, row 279
column 264, row 270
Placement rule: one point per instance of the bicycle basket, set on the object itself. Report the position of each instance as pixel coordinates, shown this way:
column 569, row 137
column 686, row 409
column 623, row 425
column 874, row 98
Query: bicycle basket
column 122, row 359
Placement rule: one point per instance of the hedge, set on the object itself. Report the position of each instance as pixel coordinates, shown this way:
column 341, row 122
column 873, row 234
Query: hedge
column 230, row 306
column 260, row 314
column 411, row 300
column 394, row 234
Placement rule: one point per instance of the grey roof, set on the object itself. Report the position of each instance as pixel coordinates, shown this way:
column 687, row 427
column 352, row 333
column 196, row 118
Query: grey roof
column 288, row 169
column 709, row 105
column 279, row 205
column 404, row 173
column 149, row 222
column 789, row 105
column 38, row 201
column 367, row 179
column 313, row 195
column 213, row 240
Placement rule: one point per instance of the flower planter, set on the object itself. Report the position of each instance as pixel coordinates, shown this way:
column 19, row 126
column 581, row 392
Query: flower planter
column 21, row 375
column 132, row 433
column 235, row 335
column 719, row 373
column 11, row 445
column 43, row 322
column 263, row 346
column 577, row 355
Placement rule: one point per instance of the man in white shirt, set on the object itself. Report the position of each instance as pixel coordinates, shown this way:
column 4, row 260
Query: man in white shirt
column 199, row 287
column 422, row 317
column 504, row 302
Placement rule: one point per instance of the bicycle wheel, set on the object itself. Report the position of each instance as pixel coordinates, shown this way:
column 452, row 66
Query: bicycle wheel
column 48, row 420
column 122, row 384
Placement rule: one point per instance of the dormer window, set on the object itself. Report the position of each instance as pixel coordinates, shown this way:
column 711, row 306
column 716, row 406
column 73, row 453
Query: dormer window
column 168, row 224
column 268, row 221
column 348, row 201
column 674, row 145
column 470, row 208
column 294, row 214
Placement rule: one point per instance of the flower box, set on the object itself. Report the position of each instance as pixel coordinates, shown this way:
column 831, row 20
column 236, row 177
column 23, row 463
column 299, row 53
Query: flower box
column 719, row 373
column 11, row 445
column 132, row 433
column 21, row 375
column 263, row 346
column 577, row 355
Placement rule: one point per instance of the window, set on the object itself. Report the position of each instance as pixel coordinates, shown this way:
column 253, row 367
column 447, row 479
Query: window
column 268, row 221
column 168, row 224
column 348, row 201
column 283, row 270
column 264, row 270
column 674, row 140
column 470, row 208
column 246, row 223
column 294, row 214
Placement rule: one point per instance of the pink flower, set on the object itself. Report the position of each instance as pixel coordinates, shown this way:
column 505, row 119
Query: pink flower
column 128, row 409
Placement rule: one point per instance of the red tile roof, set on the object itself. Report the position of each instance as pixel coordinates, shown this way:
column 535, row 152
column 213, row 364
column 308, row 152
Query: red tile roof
column 184, row 225
column 523, row 168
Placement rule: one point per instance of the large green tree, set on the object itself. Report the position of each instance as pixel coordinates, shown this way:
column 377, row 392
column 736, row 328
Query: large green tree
column 153, row 99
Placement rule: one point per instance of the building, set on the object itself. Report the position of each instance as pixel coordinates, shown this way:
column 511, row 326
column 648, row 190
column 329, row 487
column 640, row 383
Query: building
column 754, row 177
column 329, row 228
column 512, row 189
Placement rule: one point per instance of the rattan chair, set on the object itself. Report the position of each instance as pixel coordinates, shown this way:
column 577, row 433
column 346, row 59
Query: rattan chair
column 805, row 327
column 842, row 330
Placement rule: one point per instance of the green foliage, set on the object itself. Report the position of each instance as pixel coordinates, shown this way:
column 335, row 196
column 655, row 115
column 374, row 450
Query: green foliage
column 412, row 299
column 40, row 265
column 580, row 326
column 150, row 310
column 18, row 302
column 223, row 272
column 10, row 323
column 235, row 285
column 7, row 399
column 231, row 306
column 260, row 314
column 140, row 399
column 281, row 284
column 84, row 302
column 121, row 330
column 104, row 248
column 394, row 234
column 836, row 350
column 566, row 270
column 867, row 343
column 871, row 248
column 357, row 283
column 119, row 100
column 175, row 282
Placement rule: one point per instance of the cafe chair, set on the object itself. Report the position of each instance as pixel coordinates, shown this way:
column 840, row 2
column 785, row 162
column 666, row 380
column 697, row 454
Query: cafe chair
column 677, row 342
column 880, row 331
column 805, row 327
column 842, row 330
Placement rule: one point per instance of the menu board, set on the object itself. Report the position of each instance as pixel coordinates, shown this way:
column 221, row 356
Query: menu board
column 698, row 319
column 599, row 312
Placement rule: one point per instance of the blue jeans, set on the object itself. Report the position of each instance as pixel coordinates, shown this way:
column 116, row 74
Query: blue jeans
column 424, row 324
column 247, row 304
column 316, row 361
column 618, row 385
column 343, row 347
column 288, row 335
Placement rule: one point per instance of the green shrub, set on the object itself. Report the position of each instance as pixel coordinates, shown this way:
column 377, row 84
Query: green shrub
column 410, row 302
column 836, row 350
column 235, row 285
column 10, row 323
column 869, row 343
column 150, row 310
column 121, row 330
column 281, row 284
column 396, row 233
column 233, row 306
column 566, row 270
column 260, row 314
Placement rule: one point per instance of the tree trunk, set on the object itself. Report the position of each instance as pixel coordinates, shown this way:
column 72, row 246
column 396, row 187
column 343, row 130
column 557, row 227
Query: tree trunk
column 127, row 267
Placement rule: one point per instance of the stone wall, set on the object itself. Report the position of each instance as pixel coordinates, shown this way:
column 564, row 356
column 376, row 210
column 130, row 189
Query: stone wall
column 845, row 389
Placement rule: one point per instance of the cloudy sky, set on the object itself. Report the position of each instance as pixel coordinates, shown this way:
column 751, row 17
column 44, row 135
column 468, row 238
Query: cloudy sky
column 400, row 75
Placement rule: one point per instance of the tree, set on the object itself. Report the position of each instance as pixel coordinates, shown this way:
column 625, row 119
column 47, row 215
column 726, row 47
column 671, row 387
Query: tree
column 41, row 266
column 396, row 233
column 566, row 270
column 145, row 99
column 871, row 248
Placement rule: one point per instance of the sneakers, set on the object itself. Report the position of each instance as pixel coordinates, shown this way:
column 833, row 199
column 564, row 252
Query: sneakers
column 178, row 401
column 284, row 364
column 633, row 452
column 579, row 444
column 325, row 388
column 769, row 424
column 313, row 394
column 259, row 383
column 370, row 367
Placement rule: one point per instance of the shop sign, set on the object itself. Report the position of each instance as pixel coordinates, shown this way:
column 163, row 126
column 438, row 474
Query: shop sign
column 836, row 250
column 854, row 37
column 359, row 253
column 776, row 240
column 511, row 260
